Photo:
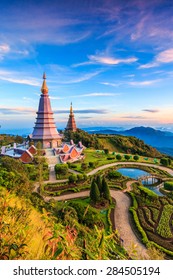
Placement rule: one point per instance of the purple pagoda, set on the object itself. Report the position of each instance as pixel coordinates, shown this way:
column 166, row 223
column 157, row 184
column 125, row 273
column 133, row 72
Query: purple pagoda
column 45, row 130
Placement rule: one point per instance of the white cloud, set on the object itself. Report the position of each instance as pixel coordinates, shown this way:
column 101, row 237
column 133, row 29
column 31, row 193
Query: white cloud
column 165, row 56
column 148, row 65
column 83, row 78
column 96, row 94
column 4, row 49
column 110, row 84
column 110, row 60
column 55, row 97
column 31, row 82
column 15, row 77
column 144, row 83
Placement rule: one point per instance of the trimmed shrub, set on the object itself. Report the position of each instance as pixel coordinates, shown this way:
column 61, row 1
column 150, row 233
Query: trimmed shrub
column 106, row 190
column 136, row 157
column 165, row 161
column 118, row 157
column 91, row 164
column 72, row 178
column 106, row 151
column 127, row 157
column 94, row 192
column 84, row 166
column 114, row 174
column 168, row 185
column 61, row 169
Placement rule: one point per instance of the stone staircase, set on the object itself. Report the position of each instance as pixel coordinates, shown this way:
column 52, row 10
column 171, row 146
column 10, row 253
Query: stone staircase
column 49, row 153
column 51, row 158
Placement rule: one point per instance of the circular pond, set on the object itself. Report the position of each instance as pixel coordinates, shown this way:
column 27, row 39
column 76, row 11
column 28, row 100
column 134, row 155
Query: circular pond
column 136, row 173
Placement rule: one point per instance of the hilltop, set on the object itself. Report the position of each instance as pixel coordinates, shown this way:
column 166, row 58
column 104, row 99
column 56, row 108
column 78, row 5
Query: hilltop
column 117, row 143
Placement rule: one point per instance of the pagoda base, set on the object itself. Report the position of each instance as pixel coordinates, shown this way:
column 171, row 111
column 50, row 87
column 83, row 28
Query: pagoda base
column 48, row 143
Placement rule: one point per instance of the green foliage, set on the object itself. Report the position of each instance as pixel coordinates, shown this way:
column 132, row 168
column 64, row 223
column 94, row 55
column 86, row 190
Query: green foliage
column 127, row 144
column 87, row 139
column 106, row 151
column 92, row 164
column 136, row 157
column 138, row 225
column 84, row 165
column 168, row 185
column 14, row 224
column 147, row 193
column 94, row 192
column 165, row 161
column 99, row 183
column 61, row 169
column 105, row 190
column 6, row 139
column 127, row 157
column 113, row 174
column 13, row 176
column 163, row 228
column 72, row 178
column 118, row 157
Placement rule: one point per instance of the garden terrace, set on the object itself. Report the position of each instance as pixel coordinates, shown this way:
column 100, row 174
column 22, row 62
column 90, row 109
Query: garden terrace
column 154, row 218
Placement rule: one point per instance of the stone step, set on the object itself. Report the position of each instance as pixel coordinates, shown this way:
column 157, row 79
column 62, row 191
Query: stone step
column 53, row 160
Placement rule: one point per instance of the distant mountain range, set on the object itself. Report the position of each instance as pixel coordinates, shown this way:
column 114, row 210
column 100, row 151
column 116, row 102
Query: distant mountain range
column 161, row 140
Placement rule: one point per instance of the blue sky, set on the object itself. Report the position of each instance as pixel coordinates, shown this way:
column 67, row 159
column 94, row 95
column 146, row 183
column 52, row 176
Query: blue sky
column 112, row 59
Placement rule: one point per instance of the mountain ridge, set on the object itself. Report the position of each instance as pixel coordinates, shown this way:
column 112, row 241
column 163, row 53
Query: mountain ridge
column 161, row 140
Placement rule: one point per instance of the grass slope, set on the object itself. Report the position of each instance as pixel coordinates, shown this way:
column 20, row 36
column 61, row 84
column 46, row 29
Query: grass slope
column 124, row 144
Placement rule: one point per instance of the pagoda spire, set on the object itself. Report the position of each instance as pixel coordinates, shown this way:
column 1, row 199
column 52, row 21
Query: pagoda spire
column 71, row 125
column 44, row 88
column 45, row 130
column 71, row 109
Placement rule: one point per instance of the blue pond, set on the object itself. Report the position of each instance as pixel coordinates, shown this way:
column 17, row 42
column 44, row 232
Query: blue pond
column 135, row 173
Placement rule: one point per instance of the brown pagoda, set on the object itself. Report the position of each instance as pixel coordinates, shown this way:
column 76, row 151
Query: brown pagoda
column 45, row 130
column 71, row 125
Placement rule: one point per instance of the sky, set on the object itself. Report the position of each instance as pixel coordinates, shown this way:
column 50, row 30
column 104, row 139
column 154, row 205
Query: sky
column 112, row 59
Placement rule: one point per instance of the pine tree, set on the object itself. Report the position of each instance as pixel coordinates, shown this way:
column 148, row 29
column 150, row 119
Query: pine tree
column 94, row 192
column 106, row 190
column 99, row 183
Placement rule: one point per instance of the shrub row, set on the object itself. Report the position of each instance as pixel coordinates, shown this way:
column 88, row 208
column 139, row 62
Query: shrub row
column 138, row 226
column 143, row 220
column 163, row 228
column 168, row 185
column 134, row 201
column 148, row 215
column 160, row 243
column 155, row 213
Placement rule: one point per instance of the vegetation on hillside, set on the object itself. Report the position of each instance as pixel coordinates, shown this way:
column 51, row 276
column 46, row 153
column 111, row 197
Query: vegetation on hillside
column 117, row 143
column 6, row 139
column 88, row 140
column 30, row 228
column 127, row 144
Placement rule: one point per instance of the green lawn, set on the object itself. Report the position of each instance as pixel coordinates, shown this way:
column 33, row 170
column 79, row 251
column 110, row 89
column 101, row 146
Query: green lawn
column 99, row 158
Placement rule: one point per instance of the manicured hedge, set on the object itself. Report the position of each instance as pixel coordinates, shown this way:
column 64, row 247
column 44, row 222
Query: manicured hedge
column 168, row 185
column 137, row 223
column 163, row 228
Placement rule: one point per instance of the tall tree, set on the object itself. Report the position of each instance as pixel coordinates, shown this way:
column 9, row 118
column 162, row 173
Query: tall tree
column 106, row 190
column 94, row 192
column 99, row 183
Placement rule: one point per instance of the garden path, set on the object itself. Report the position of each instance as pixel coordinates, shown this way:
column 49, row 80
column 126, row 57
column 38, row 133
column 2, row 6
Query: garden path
column 121, row 216
column 170, row 171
